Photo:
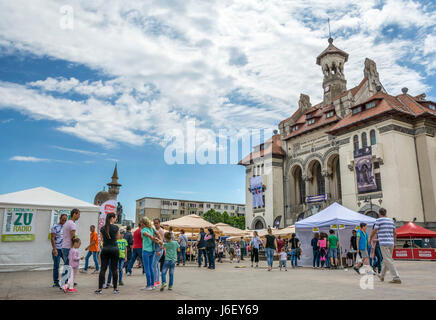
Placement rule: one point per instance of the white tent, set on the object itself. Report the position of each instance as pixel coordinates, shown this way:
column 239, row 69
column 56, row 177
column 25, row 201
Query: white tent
column 36, row 254
column 334, row 215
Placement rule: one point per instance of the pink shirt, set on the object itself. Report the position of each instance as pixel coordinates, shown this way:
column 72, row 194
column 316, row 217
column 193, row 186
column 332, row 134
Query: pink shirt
column 68, row 227
column 74, row 258
column 323, row 243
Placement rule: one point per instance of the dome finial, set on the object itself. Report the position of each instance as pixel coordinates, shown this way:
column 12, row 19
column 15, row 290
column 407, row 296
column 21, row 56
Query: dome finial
column 330, row 40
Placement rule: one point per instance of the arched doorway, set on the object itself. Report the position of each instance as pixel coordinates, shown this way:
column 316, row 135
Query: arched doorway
column 318, row 179
column 258, row 223
column 372, row 214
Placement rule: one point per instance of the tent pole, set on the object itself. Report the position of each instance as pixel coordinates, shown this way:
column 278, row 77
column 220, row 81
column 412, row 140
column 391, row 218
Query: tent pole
column 339, row 247
column 411, row 245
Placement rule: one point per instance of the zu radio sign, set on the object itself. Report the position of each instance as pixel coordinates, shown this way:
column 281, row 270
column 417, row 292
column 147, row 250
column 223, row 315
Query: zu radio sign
column 18, row 224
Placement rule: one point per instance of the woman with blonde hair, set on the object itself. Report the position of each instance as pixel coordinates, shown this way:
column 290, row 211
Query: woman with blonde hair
column 148, row 237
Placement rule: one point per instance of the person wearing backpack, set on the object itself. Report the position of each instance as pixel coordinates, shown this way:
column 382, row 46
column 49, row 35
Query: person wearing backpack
column 183, row 243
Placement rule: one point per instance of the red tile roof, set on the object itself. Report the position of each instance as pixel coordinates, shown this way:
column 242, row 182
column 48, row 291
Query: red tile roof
column 272, row 145
column 319, row 113
column 404, row 104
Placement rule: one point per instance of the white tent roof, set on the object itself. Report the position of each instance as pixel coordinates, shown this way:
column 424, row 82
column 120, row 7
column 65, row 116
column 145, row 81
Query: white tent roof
column 335, row 214
column 44, row 197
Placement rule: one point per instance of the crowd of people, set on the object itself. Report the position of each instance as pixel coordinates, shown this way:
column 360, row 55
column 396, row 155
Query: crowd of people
column 159, row 253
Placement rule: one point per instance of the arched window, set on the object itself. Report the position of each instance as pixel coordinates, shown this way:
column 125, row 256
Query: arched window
column 372, row 137
column 364, row 140
column 356, row 142
column 262, row 170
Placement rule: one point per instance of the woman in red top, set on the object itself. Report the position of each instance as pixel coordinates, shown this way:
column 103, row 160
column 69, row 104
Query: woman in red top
column 137, row 250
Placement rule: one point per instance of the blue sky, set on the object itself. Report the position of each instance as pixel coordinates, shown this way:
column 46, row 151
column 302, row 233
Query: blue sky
column 127, row 75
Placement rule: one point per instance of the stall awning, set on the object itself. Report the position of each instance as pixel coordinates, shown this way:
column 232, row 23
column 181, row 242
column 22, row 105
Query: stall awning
column 411, row 230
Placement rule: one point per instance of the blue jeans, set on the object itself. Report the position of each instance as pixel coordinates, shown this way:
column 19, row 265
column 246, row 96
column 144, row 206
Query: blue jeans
column 147, row 260
column 294, row 257
column 155, row 264
column 65, row 253
column 202, row 252
column 316, row 257
column 94, row 256
column 136, row 253
column 377, row 261
column 181, row 256
column 269, row 256
column 168, row 266
column 120, row 271
column 56, row 264
column 283, row 264
column 211, row 257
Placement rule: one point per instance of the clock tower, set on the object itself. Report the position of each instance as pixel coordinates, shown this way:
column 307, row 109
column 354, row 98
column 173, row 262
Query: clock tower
column 332, row 61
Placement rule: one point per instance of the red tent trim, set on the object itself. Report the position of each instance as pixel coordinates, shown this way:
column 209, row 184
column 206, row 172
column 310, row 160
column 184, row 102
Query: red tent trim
column 411, row 230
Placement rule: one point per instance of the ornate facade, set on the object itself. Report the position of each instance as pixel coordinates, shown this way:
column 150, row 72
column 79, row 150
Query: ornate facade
column 317, row 144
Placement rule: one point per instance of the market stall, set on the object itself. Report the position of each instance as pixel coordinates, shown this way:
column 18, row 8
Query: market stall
column 422, row 243
column 337, row 217
column 228, row 230
column 27, row 217
column 191, row 224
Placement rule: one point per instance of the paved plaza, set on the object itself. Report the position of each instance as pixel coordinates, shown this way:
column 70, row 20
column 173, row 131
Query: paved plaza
column 230, row 283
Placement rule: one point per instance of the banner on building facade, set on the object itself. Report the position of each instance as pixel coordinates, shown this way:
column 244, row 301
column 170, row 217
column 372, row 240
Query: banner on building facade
column 321, row 197
column 256, row 191
column 277, row 222
column 364, row 170
column 19, row 224
column 109, row 206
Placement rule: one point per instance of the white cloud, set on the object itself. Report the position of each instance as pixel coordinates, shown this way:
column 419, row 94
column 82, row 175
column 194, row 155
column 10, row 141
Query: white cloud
column 226, row 64
column 35, row 159
column 7, row 120
column 93, row 153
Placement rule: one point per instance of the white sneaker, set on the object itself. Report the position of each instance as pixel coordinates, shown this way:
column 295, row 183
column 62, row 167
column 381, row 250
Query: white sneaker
column 95, row 271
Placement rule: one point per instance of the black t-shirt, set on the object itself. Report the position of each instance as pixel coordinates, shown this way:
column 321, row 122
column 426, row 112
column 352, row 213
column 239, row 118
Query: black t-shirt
column 113, row 230
column 270, row 241
column 354, row 242
column 294, row 243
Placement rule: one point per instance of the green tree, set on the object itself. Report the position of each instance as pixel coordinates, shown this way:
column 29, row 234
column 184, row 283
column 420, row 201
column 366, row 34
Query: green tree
column 214, row 217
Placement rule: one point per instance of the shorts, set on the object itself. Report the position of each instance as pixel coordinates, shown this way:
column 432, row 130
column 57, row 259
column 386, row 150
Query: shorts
column 333, row 253
column 363, row 254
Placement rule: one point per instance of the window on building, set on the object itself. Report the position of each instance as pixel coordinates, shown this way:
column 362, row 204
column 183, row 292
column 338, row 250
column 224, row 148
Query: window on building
column 311, row 121
column 357, row 110
column 142, row 211
column 262, row 146
column 233, row 207
column 200, row 205
column 182, row 204
column 192, row 205
column 192, row 212
column 217, row 206
column 319, row 179
column 432, row 107
column 356, row 142
column 308, row 116
column 142, row 203
column 174, row 203
column 165, row 202
column 372, row 137
column 376, row 165
column 262, row 171
column 208, row 205
column 182, row 212
column 295, row 128
column 364, row 140
column 370, row 105
column 174, row 212
column 330, row 114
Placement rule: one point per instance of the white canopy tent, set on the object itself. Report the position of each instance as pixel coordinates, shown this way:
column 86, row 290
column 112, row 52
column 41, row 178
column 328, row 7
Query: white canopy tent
column 334, row 215
column 36, row 254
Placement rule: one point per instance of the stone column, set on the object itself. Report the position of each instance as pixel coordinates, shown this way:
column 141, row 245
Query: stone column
column 327, row 177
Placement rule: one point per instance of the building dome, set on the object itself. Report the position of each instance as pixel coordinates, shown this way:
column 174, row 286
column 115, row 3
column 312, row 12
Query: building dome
column 101, row 197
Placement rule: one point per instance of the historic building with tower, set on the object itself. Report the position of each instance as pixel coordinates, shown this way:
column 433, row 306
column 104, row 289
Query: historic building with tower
column 360, row 147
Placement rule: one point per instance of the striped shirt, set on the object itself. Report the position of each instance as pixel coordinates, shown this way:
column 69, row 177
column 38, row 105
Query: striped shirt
column 385, row 233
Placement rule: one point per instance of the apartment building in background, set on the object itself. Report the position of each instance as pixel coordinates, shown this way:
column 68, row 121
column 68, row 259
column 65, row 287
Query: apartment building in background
column 167, row 209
